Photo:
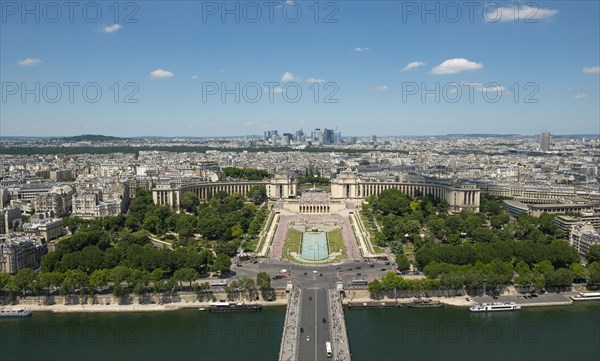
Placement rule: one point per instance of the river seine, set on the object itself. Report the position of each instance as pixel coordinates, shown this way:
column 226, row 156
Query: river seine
column 448, row 333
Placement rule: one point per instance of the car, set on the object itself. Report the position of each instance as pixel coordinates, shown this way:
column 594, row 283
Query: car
column 383, row 269
column 359, row 274
column 305, row 273
column 307, row 338
column 301, row 329
column 371, row 265
column 315, row 272
column 387, row 263
column 349, row 269
column 324, row 320
column 357, row 267
column 534, row 295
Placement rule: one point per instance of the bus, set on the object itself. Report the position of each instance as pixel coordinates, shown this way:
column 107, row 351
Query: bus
column 219, row 284
column 328, row 347
column 359, row 282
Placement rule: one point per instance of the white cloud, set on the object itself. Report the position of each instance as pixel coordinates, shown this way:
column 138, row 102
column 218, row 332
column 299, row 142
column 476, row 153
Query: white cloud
column 360, row 50
column 194, row 77
column 29, row 62
column 161, row 74
column 111, row 28
column 519, row 13
column 591, row 70
column 287, row 76
column 580, row 96
column 314, row 80
column 455, row 66
column 380, row 88
column 413, row 65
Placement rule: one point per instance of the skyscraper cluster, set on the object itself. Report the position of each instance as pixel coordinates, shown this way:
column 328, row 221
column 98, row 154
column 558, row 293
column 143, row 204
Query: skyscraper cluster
column 315, row 137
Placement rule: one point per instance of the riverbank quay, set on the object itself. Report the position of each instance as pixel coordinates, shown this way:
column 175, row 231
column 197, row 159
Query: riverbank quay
column 143, row 303
column 543, row 300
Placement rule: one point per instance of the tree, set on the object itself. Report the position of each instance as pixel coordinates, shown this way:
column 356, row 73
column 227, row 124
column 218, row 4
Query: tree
column 4, row 279
column 257, row 194
column 578, row 270
column 91, row 259
column 153, row 224
column 562, row 254
column 594, row 271
column 186, row 275
column 119, row 274
column 207, row 259
column 544, row 267
column 189, row 201
column 482, row 234
column 562, row 277
column 402, row 262
column 263, row 280
column 237, row 231
column 99, row 278
column 222, row 263
column 375, row 288
column 593, row 254
column 24, row 279
column 392, row 201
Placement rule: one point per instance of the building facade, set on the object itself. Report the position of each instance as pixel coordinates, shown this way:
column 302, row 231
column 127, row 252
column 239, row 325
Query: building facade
column 17, row 252
column 583, row 236
column 459, row 197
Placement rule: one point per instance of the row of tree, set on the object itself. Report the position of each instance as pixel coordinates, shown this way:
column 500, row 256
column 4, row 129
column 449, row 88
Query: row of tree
column 558, row 252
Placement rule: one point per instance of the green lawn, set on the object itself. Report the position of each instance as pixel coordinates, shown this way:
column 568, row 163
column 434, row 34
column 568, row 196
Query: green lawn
column 335, row 241
column 293, row 242
column 304, row 187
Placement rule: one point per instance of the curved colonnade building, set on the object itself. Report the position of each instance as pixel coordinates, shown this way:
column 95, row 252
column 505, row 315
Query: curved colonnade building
column 347, row 187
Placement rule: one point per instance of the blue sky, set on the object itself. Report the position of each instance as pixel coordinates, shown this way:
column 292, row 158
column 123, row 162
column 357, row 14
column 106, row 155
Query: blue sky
column 178, row 59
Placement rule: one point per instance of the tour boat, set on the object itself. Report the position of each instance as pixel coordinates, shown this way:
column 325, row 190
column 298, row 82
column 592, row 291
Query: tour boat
column 8, row 312
column 495, row 306
column 586, row 296
column 424, row 303
column 230, row 306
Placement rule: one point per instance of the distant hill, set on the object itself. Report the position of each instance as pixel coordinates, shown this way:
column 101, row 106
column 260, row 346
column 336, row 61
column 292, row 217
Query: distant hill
column 90, row 138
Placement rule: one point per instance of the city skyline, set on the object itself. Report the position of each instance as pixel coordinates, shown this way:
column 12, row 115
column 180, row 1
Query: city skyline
column 196, row 71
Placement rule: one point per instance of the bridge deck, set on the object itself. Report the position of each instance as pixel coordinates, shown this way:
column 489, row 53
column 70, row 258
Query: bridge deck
column 314, row 316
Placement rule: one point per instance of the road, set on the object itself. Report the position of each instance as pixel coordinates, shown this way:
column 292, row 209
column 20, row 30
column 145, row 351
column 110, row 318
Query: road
column 345, row 272
column 313, row 310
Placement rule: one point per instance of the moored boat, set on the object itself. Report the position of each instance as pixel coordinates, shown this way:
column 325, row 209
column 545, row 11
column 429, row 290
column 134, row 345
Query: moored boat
column 9, row 312
column 373, row 304
column 586, row 296
column 230, row 307
column 495, row 307
column 424, row 303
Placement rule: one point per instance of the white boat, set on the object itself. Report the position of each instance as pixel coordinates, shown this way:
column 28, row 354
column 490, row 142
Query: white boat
column 495, row 307
column 9, row 312
column 586, row 296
